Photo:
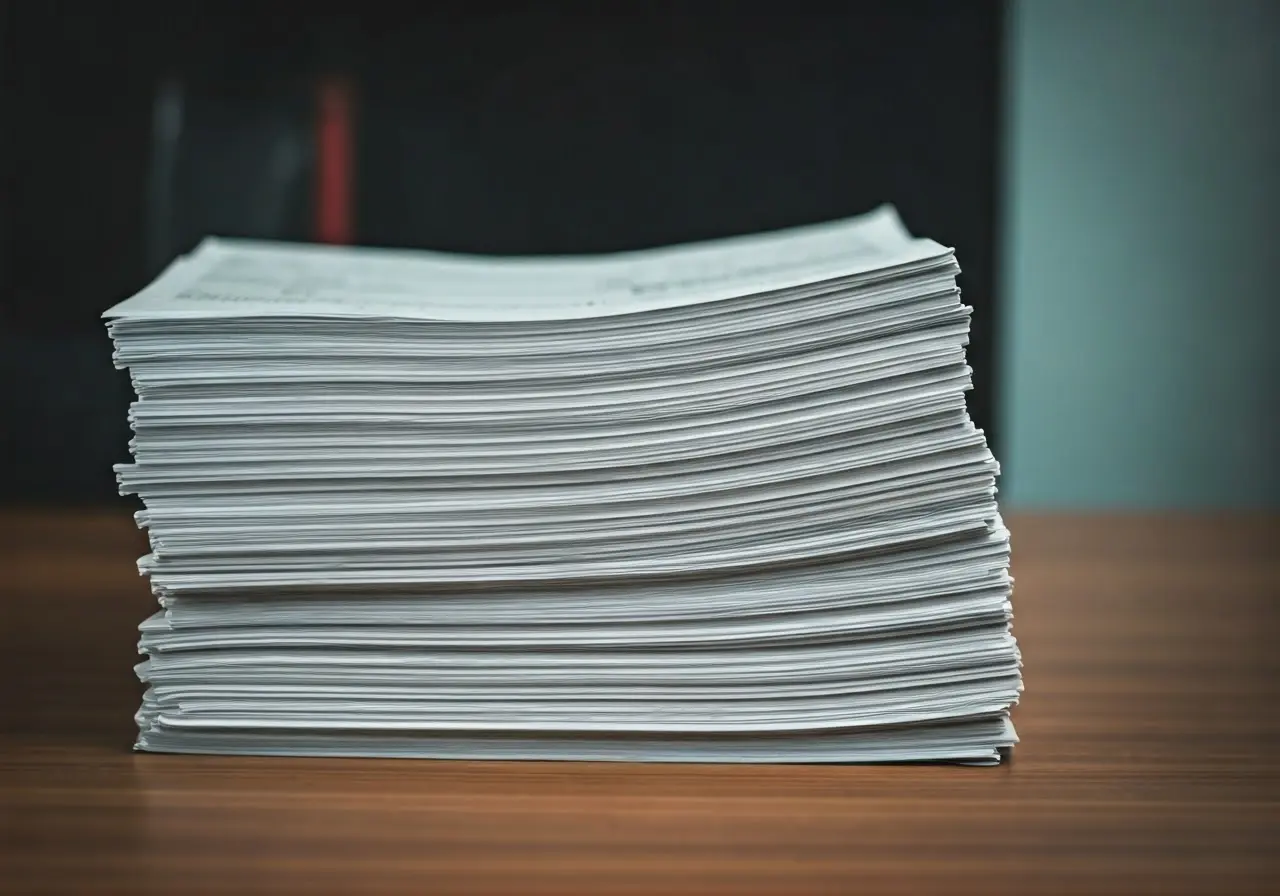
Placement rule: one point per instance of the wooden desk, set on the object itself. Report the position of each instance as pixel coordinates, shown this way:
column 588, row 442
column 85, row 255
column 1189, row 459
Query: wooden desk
column 1149, row 759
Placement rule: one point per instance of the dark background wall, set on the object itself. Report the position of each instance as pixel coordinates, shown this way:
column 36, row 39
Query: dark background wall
column 131, row 130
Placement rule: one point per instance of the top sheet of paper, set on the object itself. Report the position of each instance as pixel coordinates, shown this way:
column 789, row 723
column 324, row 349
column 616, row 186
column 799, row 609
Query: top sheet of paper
column 239, row 278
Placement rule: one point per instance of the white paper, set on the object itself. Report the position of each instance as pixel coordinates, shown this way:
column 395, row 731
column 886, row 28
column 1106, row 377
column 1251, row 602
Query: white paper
column 718, row 502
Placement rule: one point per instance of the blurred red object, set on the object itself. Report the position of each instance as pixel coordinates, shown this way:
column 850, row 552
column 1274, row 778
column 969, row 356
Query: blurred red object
column 334, row 162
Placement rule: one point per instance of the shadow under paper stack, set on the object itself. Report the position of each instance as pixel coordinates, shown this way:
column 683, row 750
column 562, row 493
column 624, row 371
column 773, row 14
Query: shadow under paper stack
column 715, row 502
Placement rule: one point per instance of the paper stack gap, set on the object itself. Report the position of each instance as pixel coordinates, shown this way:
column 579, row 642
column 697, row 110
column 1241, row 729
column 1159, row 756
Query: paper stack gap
column 715, row 502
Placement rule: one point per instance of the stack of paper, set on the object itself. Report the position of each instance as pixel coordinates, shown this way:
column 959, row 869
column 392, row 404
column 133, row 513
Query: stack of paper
column 712, row 502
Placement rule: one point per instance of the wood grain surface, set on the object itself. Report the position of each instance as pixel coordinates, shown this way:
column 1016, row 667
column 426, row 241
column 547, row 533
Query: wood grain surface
column 1149, row 763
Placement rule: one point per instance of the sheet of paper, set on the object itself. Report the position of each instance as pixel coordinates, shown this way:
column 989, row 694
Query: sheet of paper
column 237, row 278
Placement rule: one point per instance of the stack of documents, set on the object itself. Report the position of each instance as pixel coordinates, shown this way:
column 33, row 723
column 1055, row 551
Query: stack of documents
column 713, row 502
